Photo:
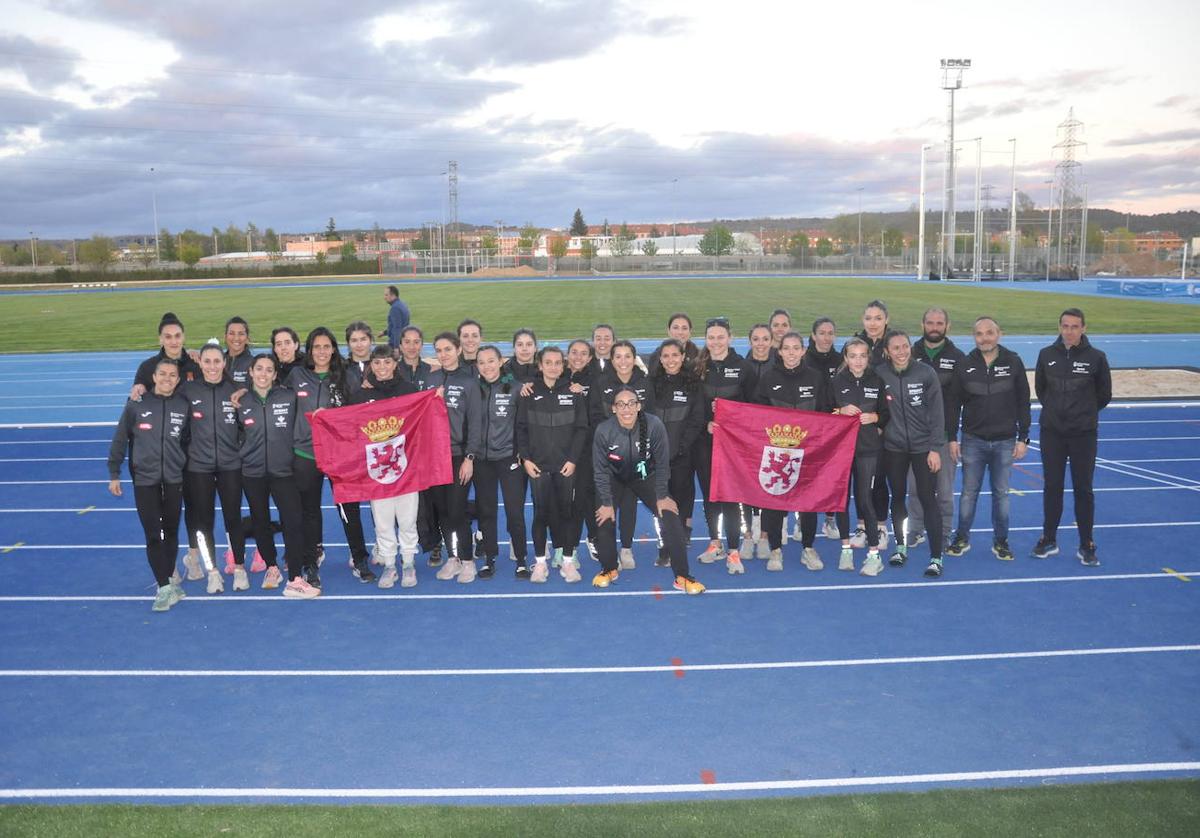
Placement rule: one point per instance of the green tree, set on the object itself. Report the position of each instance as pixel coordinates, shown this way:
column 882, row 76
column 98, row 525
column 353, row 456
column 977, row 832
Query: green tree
column 578, row 225
column 488, row 242
column 797, row 245
column 558, row 247
column 421, row 242
column 1095, row 239
column 253, row 235
column 271, row 241
column 349, row 252
column 605, row 230
column 893, row 241
column 1120, row 240
column 233, row 240
column 322, row 258
column 98, row 251
column 528, row 238
column 587, row 249
column 202, row 242
column 331, row 231
column 824, row 247
column 655, row 233
column 649, row 247
column 190, row 254
column 717, row 241
column 622, row 243
column 166, row 246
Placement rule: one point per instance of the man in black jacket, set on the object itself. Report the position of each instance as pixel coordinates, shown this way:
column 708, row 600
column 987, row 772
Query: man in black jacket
column 991, row 391
column 1073, row 384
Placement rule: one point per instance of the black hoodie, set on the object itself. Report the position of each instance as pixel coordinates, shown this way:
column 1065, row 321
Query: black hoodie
column 604, row 390
column 802, row 388
column 994, row 400
column 214, row 433
column 1073, row 385
column 725, row 379
column 552, row 426
column 153, row 431
column 867, row 394
column 680, row 406
column 268, row 426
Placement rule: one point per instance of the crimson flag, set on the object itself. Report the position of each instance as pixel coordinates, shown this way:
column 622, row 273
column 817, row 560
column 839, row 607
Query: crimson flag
column 384, row 449
column 779, row 458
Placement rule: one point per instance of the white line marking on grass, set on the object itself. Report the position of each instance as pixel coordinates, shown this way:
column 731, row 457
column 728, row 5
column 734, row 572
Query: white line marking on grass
column 589, row 670
column 597, row 596
column 1115, row 769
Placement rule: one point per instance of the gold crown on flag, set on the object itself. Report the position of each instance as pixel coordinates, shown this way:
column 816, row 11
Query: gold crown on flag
column 786, row 436
column 379, row 430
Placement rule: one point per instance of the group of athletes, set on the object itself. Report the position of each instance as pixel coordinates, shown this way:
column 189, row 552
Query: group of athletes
column 590, row 431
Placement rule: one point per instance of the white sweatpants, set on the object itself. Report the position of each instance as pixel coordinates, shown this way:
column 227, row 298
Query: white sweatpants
column 390, row 515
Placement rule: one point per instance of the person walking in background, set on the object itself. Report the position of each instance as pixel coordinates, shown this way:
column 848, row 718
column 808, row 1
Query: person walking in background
column 398, row 317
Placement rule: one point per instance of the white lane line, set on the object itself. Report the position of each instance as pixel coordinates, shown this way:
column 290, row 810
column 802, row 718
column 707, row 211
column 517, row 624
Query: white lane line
column 555, row 594
column 52, row 459
column 20, row 426
column 55, row 441
column 1140, row 469
column 1144, row 438
column 1114, row 769
column 590, row 670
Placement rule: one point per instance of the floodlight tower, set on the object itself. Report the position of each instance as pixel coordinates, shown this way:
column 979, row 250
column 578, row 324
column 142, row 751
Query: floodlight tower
column 453, row 206
column 1067, row 173
column 952, row 73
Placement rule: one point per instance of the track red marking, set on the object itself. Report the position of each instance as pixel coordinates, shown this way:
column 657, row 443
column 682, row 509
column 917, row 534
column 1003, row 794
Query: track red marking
column 708, row 777
column 1029, row 473
column 658, row 594
column 677, row 663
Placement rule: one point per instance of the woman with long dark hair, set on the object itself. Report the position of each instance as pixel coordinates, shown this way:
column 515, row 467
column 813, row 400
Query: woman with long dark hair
column 498, row 468
column 681, row 409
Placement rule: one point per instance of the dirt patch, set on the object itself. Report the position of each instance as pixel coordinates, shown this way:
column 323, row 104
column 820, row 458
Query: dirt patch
column 523, row 270
column 1147, row 384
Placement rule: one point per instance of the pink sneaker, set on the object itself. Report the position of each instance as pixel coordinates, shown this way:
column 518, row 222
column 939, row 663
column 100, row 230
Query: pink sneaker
column 258, row 565
column 299, row 589
column 229, row 563
column 273, row 579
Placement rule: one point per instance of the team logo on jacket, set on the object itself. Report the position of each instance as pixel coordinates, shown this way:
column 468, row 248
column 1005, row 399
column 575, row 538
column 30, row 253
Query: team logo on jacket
column 386, row 460
column 779, row 469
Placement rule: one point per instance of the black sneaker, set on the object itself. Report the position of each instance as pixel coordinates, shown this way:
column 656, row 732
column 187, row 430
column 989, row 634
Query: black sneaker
column 435, row 556
column 1045, row 548
column 935, row 569
column 489, row 568
column 522, row 571
column 663, row 559
column 1087, row 555
column 1000, row 549
column 361, row 569
column 958, row 546
column 898, row 558
column 311, row 576
column 479, row 545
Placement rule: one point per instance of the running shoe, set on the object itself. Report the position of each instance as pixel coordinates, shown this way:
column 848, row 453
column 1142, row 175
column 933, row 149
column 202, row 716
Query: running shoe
column 230, row 564
column 299, row 588
column 489, row 568
column 375, row 559
column 959, row 546
column 663, row 560
column 898, row 558
column 258, row 565
column 478, row 544
column 846, row 559
column 915, row 538
column 605, row 578
column 216, row 585
column 1045, row 548
column 522, row 570
column 570, row 571
column 830, row 529
column 873, row 565
column 858, row 539
column 388, row 578
column 762, row 549
column 320, row 556
column 755, row 527
column 775, row 560
column 625, row 560
column 312, row 576
column 935, row 568
column 435, row 556
column 467, row 572
column 408, row 576
column 540, row 572
column 733, row 563
column 811, row 560
column 450, row 569
column 241, row 581
column 883, row 537
column 361, row 570
column 162, row 599
column 797, row 531
column 273, row 578
column 688, row 585
column 713, row 553
column 1001, row 550
column 1087, row 555
column 192, row 564
column 176, row 579
column 591, row 547
column 556, row 559
column 177, row 593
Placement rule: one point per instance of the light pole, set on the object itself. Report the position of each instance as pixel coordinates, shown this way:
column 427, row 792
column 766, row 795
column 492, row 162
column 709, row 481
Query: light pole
column 859, row 251
column 1049, row 219
column 154, row 204
column 1012, row 216
column 33, row 248
column 921, row 219
column 674, row 229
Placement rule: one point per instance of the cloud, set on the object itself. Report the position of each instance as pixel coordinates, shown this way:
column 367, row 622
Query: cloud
column 41, row 66
column 1178, row 135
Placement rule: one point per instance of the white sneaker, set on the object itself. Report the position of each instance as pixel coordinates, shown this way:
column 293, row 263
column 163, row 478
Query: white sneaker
column 712, row 553
column 859, row 539
column 467, row 573
column 540, row 572
column 797, row 532
column 625, row 560
column 775, row 560
column 192, row 564
column 762, row 548
column 591, row 547
column 241, row 582
column 830, row 529
column 216, row 585
column 755, row 527
column 811, row 560
column 873, row 566
column 570, row 571
column 387, row 579
column 176, row 579
column 846, row 560
column 883, row 537
column 449, row 570
column 408, row 576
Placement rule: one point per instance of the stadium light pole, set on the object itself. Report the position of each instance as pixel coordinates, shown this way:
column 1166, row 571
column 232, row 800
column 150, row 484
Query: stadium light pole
column 154, row 204
column 1049, row 223
column 921, row 217
column 952, row 73
column 1012, row 216
column 33, row 248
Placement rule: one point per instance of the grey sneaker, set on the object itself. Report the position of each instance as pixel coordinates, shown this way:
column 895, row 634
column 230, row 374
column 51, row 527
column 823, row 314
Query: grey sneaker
column 846, row 559
column 241, row 582
column 915, row 538
column 450, row 569
column 408, row 576
column 625, row 560
column 177, row 593
column 1045, row 548
column 557, row 559
column 712, row 553
column 859, row 538
column 1087, row 555
column 775, row 560
column 216, row 585
column 176, row 579
column 467, row 572
column 761, row 550
column 830, row 529
column 192, row 564
column 811, row 560
column 162, row 599
column 387, row 579
column 872, row 566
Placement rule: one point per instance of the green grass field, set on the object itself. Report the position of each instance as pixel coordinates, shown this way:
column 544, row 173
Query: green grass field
column 557, row 310
column 1168, row 807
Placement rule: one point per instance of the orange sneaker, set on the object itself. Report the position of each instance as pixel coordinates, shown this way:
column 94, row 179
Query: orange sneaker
column 605, row 578
column 733, row 562
column 688, row 585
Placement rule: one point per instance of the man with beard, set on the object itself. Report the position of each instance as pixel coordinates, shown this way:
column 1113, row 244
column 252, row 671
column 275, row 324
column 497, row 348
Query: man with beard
column 936, row 350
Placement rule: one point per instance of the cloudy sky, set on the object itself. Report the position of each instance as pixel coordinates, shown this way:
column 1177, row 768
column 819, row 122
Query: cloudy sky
column 287, row 113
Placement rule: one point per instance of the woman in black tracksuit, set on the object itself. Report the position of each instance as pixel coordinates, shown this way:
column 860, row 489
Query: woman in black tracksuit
column 522, row 366
column 822, row 354
column 582, row 372
column 621, row 372
column 875, row 321
column 285, row 348
column 762, row 356
column 499, row 467
column 319, row 383
column 793, row 384
column 153, row 432
column 681, row 408
column 722, row 373
column 629, row 455
column 679, row 328
column 915, row 430
column 858, row 391
column 214, row 464
column 267, row 418
column 360, row 340
column 420, row 374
